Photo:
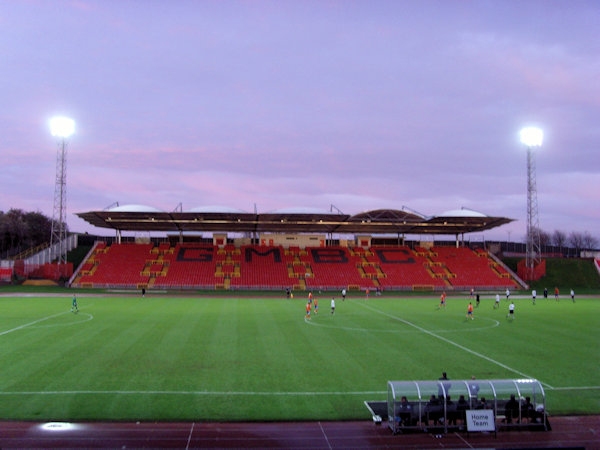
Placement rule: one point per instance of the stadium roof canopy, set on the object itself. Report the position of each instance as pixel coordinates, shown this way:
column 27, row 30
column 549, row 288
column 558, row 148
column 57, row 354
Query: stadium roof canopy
column 305, row 220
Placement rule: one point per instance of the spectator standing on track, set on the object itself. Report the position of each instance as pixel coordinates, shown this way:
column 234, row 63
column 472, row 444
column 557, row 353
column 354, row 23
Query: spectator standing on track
column 473, row 387
column 446, row 385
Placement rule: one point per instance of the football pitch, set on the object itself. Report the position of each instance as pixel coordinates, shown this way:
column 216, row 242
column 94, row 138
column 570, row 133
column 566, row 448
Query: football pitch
column 230, row 358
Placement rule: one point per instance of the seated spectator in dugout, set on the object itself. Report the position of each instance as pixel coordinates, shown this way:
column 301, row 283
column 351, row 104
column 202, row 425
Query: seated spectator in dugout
column 451, row 409
column 461, row 406
column 403, row 412
column 528, row 410
column 462, row 403
column 433, row 410
column 512, row 409
column 482, row 404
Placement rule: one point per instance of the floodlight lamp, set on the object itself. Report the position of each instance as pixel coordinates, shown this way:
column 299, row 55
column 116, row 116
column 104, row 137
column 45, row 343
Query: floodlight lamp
column 62, row 127
column 532, row 137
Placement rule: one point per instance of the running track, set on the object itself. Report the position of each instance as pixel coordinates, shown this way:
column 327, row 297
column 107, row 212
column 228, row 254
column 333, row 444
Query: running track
column 567, row 432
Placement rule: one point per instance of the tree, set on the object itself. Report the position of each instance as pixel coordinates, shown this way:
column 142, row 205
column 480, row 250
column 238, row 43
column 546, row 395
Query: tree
column 545, row 238
column 559, row 238
column 39, row 228
column 16, row 227
column 20, row 230
column 576, row 240
column 589, row 242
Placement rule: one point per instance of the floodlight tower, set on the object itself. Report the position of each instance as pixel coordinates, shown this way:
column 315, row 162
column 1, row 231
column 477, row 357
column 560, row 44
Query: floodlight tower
column 61, row 128
column 532, row 138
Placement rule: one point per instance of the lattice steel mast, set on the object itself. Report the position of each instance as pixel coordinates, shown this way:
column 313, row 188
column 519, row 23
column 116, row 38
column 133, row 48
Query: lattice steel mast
column 62, row 128
column 532, row 138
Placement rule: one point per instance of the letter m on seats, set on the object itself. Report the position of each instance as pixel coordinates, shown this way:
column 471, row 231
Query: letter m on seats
column 252, row 251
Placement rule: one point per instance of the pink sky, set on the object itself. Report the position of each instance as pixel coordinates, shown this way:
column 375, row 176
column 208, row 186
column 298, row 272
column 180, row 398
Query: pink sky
column 359, row 104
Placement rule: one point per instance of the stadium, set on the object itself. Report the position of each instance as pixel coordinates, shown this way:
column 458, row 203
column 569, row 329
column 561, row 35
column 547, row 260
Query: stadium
column 207, row 324
column 311, row 308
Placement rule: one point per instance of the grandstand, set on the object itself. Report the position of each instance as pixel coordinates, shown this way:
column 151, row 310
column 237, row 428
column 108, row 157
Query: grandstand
column 206, row 266
column 291, row 249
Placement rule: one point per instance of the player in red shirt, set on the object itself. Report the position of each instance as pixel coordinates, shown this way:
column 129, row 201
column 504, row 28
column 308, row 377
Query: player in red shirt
column 443, row 301
column 307, row 311
column 470, row 311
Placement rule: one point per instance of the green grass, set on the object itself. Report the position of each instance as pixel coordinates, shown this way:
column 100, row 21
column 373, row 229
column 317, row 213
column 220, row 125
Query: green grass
column 235, row 358
column 567, row 274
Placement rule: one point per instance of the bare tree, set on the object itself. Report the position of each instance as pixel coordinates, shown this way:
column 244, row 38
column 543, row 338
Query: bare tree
column 545, row 238
column 589, row 242
column 576, row 240
column 559, row 238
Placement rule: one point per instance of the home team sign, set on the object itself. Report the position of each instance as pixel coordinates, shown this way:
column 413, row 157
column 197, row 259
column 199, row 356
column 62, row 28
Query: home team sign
column 480, row 420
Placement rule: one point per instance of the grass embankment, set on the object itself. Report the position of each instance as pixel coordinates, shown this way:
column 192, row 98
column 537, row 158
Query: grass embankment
column 566, row 274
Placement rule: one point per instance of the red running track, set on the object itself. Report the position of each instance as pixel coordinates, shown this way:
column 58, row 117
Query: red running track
column 567, row 432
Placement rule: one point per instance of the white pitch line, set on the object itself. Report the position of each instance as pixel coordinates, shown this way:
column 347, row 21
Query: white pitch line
column 325, row 435
column 190, row 436
column 396, row 331
column 576, row 388
column 238, row 393
column 33, row 323
column 462, row 347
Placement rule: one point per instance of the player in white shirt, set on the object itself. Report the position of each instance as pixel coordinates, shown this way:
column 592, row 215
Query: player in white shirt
column 511, row 311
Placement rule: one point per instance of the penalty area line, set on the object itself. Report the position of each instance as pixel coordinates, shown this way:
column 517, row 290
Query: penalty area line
column 448, row 341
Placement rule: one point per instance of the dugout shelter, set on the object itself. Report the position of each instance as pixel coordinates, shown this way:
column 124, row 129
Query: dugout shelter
column 438, row 404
